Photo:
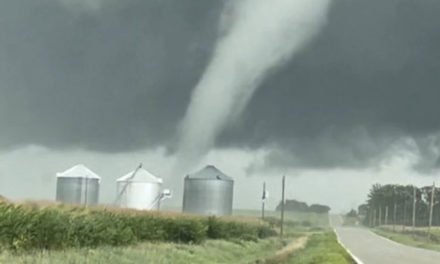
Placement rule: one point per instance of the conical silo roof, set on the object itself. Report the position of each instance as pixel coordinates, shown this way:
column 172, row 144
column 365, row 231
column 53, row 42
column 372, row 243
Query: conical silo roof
column 140, row 175
column 78, row 171
column 210, row 172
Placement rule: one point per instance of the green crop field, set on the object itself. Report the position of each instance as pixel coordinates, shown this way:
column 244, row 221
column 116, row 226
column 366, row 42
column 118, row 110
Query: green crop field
column 44, row 227
column 48, row 233
column 321, row 247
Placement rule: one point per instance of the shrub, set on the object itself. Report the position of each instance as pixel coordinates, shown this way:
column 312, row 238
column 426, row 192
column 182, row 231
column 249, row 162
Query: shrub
column 273, row 221
column 185, row 230
column 265, row 232
column 229, row 230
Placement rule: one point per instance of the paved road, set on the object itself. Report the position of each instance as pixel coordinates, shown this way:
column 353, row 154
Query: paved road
column 370, row 248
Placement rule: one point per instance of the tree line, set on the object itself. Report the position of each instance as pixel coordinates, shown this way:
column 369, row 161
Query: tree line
column 298, row 206
column 401, row 205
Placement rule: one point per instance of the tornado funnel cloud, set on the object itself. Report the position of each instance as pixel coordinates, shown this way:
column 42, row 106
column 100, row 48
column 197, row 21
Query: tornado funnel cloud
column 259, row 36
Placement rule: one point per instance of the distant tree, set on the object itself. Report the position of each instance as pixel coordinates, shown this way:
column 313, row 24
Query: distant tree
column 363, row 209
column 320, row 209
column 352, row 213
column 298, row 206
column 294, row 205
column 400, row 196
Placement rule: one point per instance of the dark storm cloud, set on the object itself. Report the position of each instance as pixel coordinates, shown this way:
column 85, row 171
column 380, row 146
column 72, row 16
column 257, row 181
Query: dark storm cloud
column 120, row 78
column 116, row 78
column 371, row 78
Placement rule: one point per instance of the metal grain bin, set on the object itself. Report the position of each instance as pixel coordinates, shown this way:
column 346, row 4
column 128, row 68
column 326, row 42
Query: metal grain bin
column 140, row 190
column 78, row 185
column 208, row 192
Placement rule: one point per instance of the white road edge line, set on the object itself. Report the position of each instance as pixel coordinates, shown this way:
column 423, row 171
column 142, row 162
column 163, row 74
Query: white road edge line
column 353, row 256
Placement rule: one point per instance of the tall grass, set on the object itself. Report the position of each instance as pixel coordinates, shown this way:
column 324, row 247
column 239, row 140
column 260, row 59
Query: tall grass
column 322, row 248
column 416, row 238
column 211, row 251
column 46, row 227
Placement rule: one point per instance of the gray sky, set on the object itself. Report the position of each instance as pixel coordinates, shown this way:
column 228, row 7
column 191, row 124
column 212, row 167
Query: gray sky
column 107, row 83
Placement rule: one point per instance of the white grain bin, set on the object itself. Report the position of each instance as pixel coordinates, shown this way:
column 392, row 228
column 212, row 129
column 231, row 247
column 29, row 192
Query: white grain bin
column 208, row 192
column 78, row 185
column 140, row 190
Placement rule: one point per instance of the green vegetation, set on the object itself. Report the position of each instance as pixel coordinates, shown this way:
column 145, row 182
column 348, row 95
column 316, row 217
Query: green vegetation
column 298, row 206
column 322, row 248
column 417, row 238
column 33, row 233
column 322, row 245
column 393, row 204
column 402, row 198
column 211, row 251
column 32, row 226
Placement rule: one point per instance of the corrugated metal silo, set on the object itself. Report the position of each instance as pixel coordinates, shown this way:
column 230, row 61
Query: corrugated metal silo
column 208, row 192
column 139, row 190
column 78, row 185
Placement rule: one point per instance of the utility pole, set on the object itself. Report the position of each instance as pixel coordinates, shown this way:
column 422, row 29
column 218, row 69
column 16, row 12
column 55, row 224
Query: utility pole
column 395, row 209
column 386, row 215
column 404, row 216
column 282, row 206
column 431, row 207
column 414, row 209
column 374, row 217
column 370, row 217
column 380, row 215
column 263, row 200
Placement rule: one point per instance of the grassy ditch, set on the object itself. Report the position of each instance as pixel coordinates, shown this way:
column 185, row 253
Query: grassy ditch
column 322, row 248
column 320, row 243
column 210, row 251
column 417, row 238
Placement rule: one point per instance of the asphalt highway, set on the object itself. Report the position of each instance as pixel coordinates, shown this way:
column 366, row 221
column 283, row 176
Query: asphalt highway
column 369, row 248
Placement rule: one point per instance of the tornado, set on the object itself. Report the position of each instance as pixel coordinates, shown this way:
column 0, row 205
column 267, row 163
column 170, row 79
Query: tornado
column 256, row 36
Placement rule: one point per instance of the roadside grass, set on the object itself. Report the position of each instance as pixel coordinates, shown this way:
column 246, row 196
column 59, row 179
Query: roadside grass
column 322, row 245
column 211, row 251
column 322, row 248
column 285, row 253
column 417, row 238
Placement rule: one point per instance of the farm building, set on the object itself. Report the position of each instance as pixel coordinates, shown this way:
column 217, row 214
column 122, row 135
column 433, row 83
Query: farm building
column 140, row 190
column 78, row 185
column 208, row 192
